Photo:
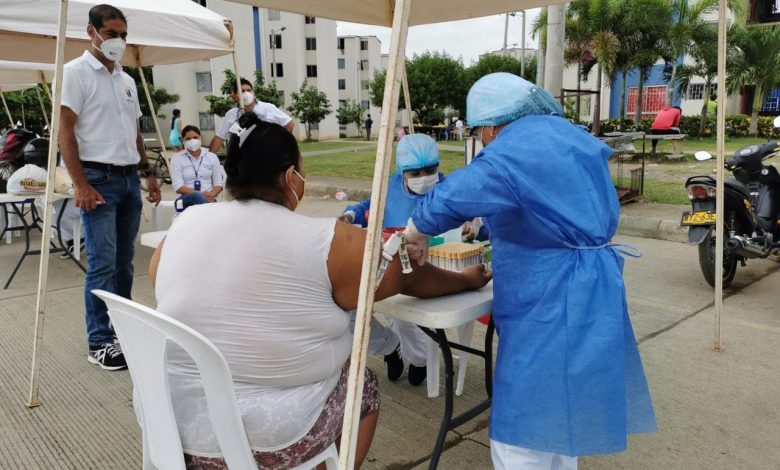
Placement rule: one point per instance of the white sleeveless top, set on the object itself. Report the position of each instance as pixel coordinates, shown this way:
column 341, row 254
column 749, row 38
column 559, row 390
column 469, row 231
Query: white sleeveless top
column 252, row 277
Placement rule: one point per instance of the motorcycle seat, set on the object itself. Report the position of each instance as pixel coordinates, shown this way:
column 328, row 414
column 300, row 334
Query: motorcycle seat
column 735, row 185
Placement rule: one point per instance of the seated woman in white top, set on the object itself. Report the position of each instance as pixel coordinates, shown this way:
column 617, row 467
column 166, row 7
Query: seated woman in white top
column 275, row 303
column 196, row 173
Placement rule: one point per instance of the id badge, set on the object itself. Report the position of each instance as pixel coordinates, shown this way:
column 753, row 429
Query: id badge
column 196, row 186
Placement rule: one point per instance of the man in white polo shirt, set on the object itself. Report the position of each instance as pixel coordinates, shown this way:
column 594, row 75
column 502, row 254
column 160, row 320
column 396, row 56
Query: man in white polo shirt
column 102, row 147
column 266, row 111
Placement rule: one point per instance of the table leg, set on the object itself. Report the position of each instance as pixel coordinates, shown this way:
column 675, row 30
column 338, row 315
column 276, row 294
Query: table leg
column 448, row 399
column 27, row 229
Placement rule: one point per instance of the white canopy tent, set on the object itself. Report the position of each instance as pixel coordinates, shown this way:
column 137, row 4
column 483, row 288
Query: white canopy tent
column 159, row 32
column 400, row 14
column 16, row 76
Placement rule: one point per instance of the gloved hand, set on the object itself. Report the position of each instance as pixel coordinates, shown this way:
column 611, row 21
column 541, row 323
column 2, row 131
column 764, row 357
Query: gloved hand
column 347, row 217
column 471, row 229
column 416, row 243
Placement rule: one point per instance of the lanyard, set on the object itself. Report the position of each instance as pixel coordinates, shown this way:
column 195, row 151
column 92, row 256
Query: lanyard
column 200, row 162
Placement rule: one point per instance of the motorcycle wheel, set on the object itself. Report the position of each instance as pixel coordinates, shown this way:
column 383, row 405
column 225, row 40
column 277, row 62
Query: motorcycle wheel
column 161, row 170
column 707, row 259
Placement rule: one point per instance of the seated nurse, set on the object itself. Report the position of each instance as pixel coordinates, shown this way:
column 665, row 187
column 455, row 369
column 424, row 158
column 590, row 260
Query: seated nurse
column 275, row 304
column 196, row 173
column 417, row 164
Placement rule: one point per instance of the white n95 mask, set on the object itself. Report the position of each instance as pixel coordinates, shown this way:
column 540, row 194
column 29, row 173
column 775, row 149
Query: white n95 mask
column 422, row 184
column 192, row 144
column 112, row 49
column 247, row 98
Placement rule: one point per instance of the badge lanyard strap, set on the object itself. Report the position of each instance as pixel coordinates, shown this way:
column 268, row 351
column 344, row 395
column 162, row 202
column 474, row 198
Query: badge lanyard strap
column 200, row 162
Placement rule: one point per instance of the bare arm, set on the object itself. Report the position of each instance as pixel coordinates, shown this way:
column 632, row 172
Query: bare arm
column 344, row 269
column 84, row 195
column 290, row 125
column 216, row 144
column 151, row 181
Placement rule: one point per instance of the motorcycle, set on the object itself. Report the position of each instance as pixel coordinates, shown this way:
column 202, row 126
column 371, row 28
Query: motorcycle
column 751, row 210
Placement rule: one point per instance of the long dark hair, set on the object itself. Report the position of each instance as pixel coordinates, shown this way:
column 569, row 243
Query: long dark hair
column 253, row 169
column 176, row 113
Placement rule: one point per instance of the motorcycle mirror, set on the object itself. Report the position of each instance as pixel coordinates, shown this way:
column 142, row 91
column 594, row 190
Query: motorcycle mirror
column 703, row 155
column 776, row 122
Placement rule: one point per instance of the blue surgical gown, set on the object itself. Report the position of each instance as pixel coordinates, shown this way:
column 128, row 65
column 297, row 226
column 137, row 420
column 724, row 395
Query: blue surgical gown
column 568, row 378
column 399, row 206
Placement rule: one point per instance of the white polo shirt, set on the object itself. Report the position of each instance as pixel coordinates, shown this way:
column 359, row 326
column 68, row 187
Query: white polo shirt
column 265, row 111
column 107, row 108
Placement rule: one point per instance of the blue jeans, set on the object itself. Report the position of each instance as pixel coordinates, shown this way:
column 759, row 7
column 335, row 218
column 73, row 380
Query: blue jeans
column 109, row 238
column 191, row 199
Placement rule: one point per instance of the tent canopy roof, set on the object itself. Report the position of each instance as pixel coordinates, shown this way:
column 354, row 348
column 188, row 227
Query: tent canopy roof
column 159, row 31
column 380, row 12
column 26, row 74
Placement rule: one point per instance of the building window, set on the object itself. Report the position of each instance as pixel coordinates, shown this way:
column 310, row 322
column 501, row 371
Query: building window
column 275, row 41
column 365, row 104
column 363, row 45
column 342, row 64
column 311, row 44
column 200, row 2
column 311, row 71
column 342, row 84
column 315, row 126
column 274, row 15
column 363, row 65
column 340, row 44
column 206, row 121
column 695, row 91
column 364, row 84
column 203, row 81
column 146, row 124
column 279, row 72
column 311, row 20
column 342, row 103
column 653, row 99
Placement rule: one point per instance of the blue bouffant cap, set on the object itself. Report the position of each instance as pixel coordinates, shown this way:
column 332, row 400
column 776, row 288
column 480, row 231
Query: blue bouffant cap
column 416, row 151
column 499, row 98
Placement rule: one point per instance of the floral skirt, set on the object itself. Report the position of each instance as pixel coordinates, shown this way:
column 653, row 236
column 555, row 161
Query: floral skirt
column 324, row 432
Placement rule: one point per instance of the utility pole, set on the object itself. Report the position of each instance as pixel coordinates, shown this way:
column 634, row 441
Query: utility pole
column 522, row 48
column 553, row 80
column 540, row 57
column 273, row 50
column 506, row 32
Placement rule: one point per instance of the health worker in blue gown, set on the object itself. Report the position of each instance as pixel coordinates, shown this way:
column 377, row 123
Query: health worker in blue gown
column 569, row 380
column 417, row 165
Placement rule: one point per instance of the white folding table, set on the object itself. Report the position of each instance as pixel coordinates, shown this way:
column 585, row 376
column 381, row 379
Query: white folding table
column 435, row 315
column 153, row 239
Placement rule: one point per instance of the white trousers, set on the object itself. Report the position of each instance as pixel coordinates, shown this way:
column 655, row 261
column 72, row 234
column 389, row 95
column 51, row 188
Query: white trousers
column 509, row 457
column 384, row 339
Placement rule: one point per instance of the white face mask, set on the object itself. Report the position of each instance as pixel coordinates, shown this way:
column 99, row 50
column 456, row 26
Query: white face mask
column 192, row 144
column 112, row 49
column 298, row 199
column 422, row 184
column 247, row 98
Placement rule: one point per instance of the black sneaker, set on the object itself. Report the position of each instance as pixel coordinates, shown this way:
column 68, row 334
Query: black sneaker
column 108, row 356
column 417, row 375
column 395, row 365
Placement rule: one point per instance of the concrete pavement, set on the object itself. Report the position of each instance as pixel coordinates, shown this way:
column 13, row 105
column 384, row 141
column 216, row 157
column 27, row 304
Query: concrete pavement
column 715, row 410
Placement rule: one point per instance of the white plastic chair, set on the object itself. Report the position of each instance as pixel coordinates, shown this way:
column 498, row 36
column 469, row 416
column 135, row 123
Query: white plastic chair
column 433, row 354
column 144, row 334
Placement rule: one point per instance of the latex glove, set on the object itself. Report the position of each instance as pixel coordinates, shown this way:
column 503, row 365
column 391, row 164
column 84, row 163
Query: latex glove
column 416, row 243
column 471, row 229
column 347, row 217
column 477, row 276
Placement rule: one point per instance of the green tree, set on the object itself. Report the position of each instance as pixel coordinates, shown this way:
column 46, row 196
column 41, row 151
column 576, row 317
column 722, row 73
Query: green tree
column 755, row 61
column 309, row 106
column 436, row 81
column 26, row 108
column 160, row 96
column 350, row 113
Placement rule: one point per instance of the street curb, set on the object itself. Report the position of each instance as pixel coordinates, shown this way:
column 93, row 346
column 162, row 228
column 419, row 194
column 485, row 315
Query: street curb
column 629, row 225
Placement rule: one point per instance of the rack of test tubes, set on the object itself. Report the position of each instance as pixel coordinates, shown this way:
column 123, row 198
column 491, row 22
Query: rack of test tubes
column 456, row 256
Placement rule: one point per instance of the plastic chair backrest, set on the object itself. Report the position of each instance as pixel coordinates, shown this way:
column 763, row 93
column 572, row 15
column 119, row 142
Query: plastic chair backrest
column 144, row 334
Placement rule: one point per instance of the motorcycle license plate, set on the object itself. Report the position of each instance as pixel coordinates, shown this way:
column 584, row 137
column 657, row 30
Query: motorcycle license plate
column 698, row 218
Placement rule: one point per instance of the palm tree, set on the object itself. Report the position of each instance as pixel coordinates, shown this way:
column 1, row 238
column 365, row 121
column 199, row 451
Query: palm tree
column 755, row 61
column 688, row 23
column 704, row 51
column 649, row 22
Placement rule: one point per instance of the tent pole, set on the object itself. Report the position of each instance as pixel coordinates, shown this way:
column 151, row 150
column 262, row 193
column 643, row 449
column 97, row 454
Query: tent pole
column 407, row 98
column 238, row 76
column 43, row 107
column 7, row 111
column 151, row 105
column 366, row 291
column 45, row 85
column 721, row 150
column 43, row 271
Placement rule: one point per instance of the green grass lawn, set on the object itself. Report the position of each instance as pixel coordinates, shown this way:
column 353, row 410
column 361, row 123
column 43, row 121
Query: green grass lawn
column 692, row 145
column 360, row 164
column 324, row 145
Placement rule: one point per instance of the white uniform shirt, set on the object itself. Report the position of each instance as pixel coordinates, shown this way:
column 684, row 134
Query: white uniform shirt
column 265, row 111
column 184, row 168
column 108, row 110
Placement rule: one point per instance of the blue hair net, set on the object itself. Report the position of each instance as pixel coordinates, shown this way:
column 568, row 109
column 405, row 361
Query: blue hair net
column 416, row 151
column 499, row 98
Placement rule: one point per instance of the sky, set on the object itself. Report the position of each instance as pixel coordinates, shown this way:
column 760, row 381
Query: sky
column 467, row 39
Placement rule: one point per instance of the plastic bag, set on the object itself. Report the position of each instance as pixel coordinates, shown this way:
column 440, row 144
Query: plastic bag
column 28, row 179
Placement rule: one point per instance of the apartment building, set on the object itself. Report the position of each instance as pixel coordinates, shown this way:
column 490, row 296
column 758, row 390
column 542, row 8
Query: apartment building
column 358, row 58
column 287, row 47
